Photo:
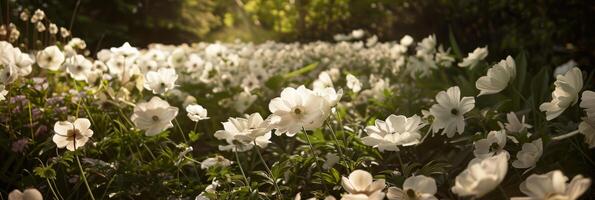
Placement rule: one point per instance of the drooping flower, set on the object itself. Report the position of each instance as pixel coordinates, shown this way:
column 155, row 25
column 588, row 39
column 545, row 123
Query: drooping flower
column 588, row 103
column 154, row 116
column 360, row 185
column 72, row 135
column 565, row 94
column 196, row 112
column 449, row 111
column 296, row 109
column 528, row 156
column 553, row 186
column 50, row 58
column 498, row 77
column 474, row 57
column 78, row 67
column 492, row 144
column 215, row 161
column 587, row 128
column 27, row 194
column 395, row 131
column 481, row 176
column 414, row 188
column 161, row 81
column 353, row 83
column 242, row 133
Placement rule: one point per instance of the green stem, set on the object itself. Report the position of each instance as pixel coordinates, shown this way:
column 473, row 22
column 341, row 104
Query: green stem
column 52, row 188
column 273, row 178
column 242, row 169
column 313, row 152
column 84, row 177
column 337, row 143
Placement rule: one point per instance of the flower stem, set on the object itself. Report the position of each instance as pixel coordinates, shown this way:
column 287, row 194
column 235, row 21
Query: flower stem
column 273, row 178
column 313, row 152
column 337, row 143
column 242, row 169
column 564, row 136
column 84, row 177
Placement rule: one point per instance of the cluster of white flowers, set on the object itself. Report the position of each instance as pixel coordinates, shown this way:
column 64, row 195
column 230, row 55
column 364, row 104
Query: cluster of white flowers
column 162, row 69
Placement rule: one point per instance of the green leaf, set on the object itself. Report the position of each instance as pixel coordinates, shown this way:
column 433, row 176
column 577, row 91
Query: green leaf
column 45, row 172
column 301, row 71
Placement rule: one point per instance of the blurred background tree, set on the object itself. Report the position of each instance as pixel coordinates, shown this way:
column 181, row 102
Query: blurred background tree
column 551, row 31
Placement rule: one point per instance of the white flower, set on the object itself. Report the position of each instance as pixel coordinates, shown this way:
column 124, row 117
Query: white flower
column 196, row 112
column 72, row 135
column 154, row 116
column 449, row 111
column 50, row 58
column 27, row 194
column 359, row 33
column 528, row 156
column 474, row 57
column 125, row 50
column 426, row 47
column 395, row 131
column 492, row 144
column 243, row 101
column 553, row 186
column 565, row 94
column 443, row 57
column 331, row 96
column 587, row 128
column 498, row 77
column 481, row 176
column 588, row 103
column 296, row 109
column 161, row 81
column 562, row 69
column 330, row 160
column 414, row 188
column 324, row 80
column 3, row 92
column 353, row 83
column 215, row 161
column 360, row 185
column 242, row 133
column 79, row 67
column 514, row 125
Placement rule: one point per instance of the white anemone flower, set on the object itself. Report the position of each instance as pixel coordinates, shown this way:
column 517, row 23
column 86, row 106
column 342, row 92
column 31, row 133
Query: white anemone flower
column 587, row 128
column 450, row 110
column 215, row 161
column 360, row 185
column 353, row 83
column 394, row 132
column 492, row 144
column 296, row 109
column 528, row 156
column 474, row 57
column 482, row 176
column 161, row 81
column 514, row 125
column 27, row 194
column 154, row 116
column 553, row 186
column 72, row 135
column 50, row 58
column 498, row 77
column 242, row 133
column 196, row 112
column 79, row 68
column 565, row 94
column 414, row 188
column 588, row 103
